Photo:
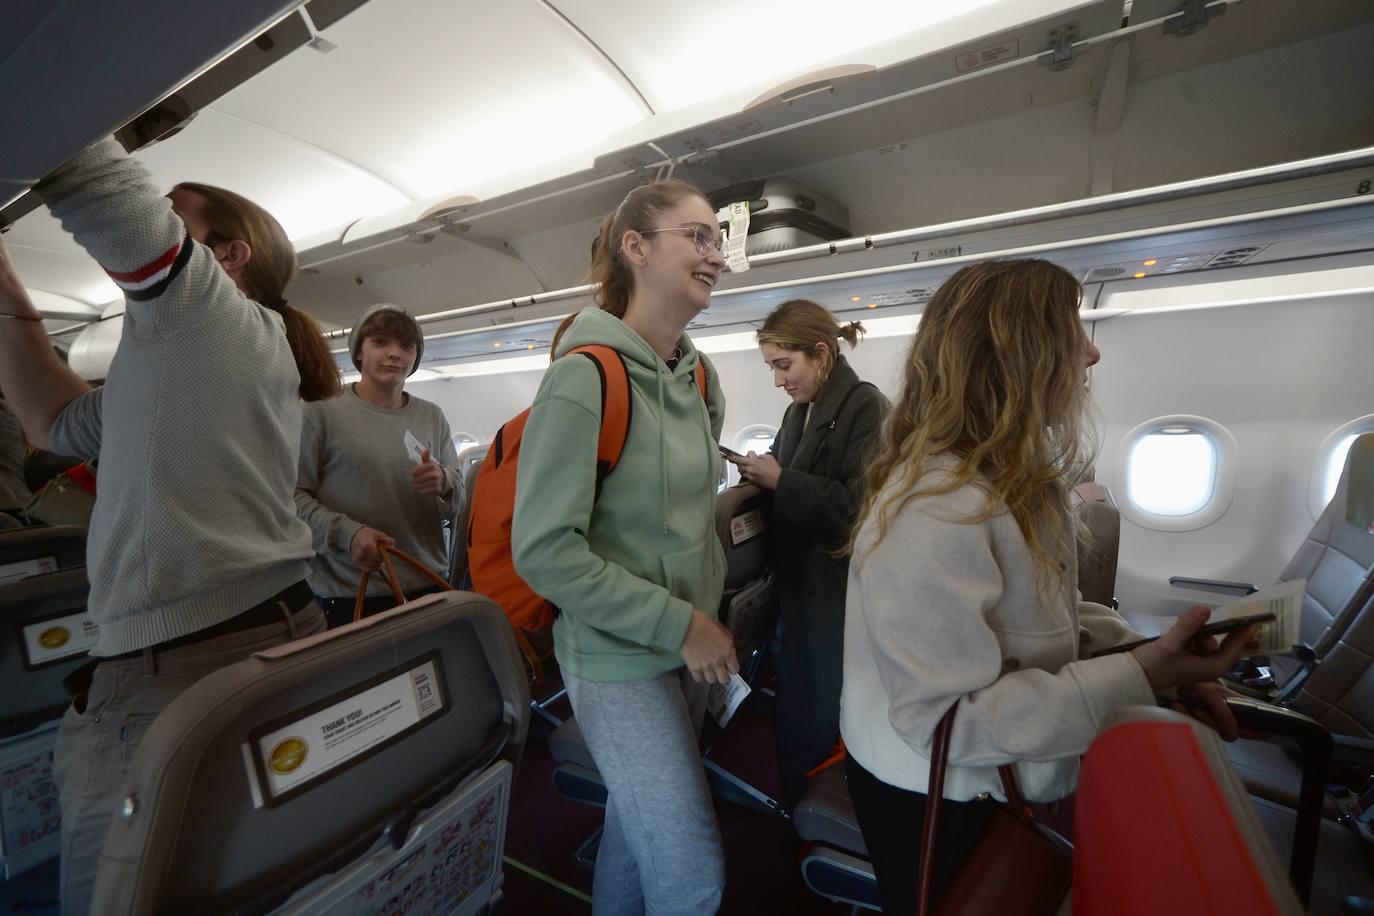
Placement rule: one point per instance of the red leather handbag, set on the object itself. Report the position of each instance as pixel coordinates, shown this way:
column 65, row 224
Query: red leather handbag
column 1019, row 868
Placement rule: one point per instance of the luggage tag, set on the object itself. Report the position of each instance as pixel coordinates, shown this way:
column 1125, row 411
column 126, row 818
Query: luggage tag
column 723, row 699
column 736, row 237
column 414, row 449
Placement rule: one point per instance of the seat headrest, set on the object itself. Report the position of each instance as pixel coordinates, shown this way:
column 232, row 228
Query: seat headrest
column 1358, row 477
column 742, row 526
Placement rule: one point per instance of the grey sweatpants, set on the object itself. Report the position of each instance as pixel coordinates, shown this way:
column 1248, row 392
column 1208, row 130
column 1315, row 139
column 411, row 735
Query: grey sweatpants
column 660, row 853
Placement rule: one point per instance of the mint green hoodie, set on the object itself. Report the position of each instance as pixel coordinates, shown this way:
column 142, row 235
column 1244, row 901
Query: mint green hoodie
column 626, row 569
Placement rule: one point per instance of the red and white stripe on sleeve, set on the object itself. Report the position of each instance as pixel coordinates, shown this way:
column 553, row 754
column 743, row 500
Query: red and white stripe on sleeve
column 151, row 280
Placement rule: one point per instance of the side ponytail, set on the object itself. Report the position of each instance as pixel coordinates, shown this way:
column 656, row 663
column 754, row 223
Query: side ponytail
column 608, row 271
column 319, row 374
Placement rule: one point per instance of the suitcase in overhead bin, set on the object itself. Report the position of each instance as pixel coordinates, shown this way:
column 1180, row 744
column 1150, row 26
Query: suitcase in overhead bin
column 783, row 214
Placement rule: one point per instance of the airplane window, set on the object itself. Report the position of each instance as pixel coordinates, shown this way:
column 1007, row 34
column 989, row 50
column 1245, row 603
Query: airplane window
column 1172, row 471
column 1179, row 472
column 463, row 440
column 1326, row 472
column 756, row 439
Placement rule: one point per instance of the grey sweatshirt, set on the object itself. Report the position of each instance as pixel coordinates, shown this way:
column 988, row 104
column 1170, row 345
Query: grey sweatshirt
column 197, row 427
column 355, row 471
column 14, row 493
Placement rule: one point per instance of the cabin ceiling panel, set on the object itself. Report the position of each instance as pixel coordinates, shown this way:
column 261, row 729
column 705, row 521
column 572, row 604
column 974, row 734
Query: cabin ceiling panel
column 441, row 97
column 69, row 274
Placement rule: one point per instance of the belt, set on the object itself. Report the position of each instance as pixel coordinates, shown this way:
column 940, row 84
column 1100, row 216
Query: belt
column 296, row 598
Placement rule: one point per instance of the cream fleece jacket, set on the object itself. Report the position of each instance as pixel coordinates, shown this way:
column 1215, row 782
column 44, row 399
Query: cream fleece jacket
column 943, row 611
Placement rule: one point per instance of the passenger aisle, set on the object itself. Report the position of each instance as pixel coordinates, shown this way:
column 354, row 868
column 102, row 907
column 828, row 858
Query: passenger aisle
column 761, row 851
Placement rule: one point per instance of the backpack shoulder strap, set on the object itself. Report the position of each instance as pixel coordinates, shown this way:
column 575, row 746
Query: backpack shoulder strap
column 703, row 379
column 615, row 406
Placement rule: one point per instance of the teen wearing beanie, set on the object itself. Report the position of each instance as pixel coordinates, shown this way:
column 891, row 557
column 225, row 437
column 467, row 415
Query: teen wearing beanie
column 360, row 485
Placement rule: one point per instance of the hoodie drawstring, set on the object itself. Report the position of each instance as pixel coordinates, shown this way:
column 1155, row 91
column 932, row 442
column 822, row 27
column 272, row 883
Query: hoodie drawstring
column 662, row 452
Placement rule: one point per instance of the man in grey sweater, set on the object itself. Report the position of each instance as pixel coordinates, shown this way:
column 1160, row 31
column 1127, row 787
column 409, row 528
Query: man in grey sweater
column 368, row 470
column 195, row 555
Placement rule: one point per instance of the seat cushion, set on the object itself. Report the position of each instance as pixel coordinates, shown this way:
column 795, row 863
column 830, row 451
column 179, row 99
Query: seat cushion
column 826, row 815
column 1269, row 772
column 567, row 746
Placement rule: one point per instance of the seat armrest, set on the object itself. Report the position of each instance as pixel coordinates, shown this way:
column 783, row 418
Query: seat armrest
column 1352, row 751
column 1220, row 586
column 1315, row 744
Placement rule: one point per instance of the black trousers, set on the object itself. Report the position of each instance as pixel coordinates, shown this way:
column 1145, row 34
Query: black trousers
column 891, row 820
column 339, row 611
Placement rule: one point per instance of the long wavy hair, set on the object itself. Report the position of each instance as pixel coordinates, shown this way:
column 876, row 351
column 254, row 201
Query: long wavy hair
column 994, row 377
column 637, row 211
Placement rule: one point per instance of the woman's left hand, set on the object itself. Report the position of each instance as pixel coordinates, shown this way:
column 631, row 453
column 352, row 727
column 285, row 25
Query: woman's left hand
column 1206, row 702
column 760, row 470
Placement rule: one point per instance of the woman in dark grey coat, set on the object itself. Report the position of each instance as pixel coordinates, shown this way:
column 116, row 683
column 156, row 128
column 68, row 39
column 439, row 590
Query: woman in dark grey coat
column 815, row 469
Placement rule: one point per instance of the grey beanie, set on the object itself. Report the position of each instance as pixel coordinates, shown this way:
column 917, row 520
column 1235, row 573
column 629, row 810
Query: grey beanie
column 355, row 334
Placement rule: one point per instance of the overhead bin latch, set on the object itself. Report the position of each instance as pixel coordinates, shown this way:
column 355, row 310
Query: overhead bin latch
column 1193, row 17
column 1060, row 55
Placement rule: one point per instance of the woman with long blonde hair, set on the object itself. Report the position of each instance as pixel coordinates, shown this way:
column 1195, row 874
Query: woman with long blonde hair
column 962, row 582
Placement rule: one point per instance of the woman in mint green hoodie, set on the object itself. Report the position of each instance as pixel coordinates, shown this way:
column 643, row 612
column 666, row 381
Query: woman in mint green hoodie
column 637, row 571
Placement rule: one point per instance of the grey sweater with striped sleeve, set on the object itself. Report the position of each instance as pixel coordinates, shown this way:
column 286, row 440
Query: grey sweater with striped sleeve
column 197, row 427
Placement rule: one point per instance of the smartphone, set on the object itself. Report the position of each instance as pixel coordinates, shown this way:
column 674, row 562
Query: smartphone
column 728, row 452
column 1211, row 629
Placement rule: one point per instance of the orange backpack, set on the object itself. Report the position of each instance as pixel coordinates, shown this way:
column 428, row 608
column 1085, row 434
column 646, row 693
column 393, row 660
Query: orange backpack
column 492, row 501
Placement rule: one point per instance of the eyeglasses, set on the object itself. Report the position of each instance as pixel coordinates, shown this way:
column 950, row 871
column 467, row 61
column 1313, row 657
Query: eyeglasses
column 703, row 236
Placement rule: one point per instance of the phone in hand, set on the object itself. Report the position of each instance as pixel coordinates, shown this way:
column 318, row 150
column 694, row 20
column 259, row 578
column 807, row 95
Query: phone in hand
column 1230, row 625
column 728, row 452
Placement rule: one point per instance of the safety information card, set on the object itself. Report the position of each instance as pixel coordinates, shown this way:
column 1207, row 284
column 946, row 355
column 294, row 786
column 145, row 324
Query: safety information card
column 1284, row 601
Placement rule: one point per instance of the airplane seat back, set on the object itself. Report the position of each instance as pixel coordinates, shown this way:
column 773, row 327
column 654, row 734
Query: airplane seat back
column 40, row 548
column 1338, row 693
column 1155, row 787
column 458, row 545
column 1337, row 556
column 44, row 636
column 365, row 766
column 1096, row 511
column 746, row 606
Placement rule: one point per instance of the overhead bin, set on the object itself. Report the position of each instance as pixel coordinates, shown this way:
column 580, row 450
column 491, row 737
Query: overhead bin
column 783, row 214
column 172, row 59
column 952, row 49
column 131, row 55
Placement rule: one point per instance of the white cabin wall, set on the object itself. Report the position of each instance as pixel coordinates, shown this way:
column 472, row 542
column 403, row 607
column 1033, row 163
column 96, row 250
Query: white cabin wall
column 1279, row 376
column 478, row 405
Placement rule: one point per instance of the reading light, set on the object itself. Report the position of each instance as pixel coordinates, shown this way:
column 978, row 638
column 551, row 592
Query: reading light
column 1139, row 275
column 1151, row 263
